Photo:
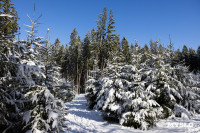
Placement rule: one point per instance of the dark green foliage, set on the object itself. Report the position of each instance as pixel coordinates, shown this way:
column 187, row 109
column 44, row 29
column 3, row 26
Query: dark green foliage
column 86, row 60
column 188, row 57
column 192, row 60
column 185, row 54
column 8, row 24
column 153, row 46
column 125, row 51
column 55, row 54
column 70, row 59
column 198, row 57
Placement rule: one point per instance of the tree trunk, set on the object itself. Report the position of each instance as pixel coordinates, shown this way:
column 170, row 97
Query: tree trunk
column 87, row 71
column 77, row 86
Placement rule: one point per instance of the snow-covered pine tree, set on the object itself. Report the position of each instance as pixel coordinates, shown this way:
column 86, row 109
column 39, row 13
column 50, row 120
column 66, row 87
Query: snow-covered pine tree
column 140, row 94
column 12, row 82
column 27, row 104
column 45, row 110
column 54, row 81
column 121, row 95
column 125, row 51
column 19, row 74
column 12, row 79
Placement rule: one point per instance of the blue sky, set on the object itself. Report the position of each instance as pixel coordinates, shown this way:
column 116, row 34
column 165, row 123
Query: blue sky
column 140, row 19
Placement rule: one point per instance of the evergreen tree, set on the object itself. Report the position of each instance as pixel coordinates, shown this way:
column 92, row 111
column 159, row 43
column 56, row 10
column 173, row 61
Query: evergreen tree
column 8, row 19
column 75, row 68
column 60, row 55
column 115, row 52
column 94, row 51
column 101, row 38
column 111, row 38
column 153, row 46
column 103, row 54
column 146, row 48
column 73, row 61
column 110, row 28
column 160, row 50
column 185, row 54
column 12, row 81
column 139, row 95
column 125, row 50
column 65, row 65
column 171, row 47
column 45, row 111
column 56, row 48
column 86, row 60
column 132, row 48
column 177, row 58
column 101, row 25
column 146, row 52
column 192, row 60
column 73, row 38
column 198, row 57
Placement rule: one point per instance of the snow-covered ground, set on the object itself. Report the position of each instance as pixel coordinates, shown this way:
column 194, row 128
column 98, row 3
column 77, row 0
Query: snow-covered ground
column 82, row 120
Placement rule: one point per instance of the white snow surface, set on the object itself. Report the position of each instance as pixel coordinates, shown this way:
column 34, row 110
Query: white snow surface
column 80, row 119
column 6, row 15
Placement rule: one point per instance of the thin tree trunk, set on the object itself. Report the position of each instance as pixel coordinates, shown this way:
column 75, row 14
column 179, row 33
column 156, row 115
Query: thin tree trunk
column 77, row 75
column 79, row 79
column 96, row 66
column 87, row 72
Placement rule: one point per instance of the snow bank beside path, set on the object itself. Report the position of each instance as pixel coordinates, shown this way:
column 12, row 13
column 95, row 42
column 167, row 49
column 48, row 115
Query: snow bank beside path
column 82, row 120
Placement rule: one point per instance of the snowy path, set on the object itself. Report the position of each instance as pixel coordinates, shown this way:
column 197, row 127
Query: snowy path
column 82, row 120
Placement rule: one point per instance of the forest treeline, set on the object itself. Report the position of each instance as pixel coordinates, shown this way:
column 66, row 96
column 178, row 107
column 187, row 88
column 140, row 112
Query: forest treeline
column 103, row 45
column 37, row 76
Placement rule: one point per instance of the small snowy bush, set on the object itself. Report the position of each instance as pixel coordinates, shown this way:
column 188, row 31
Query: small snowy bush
column 45, row 112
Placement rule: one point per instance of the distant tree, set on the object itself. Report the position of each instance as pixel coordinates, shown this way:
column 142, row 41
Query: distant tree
column 153, row 46
column 192, row 60
column 101, row 38
column 185, row 54
column 137, row 47
column 111, row 43
column 177, row 58
column 73, row 38
column 170, row 45
column 60, row 55
column 86, row 60
column 115, row 52
column 111, row 27
column 160, row 49
column 101, row 26
column 132, row 48
column 198, row 57
column 125, row 50
column 66, row 65
column 56, row 47
column 75, row 68
column 94, row 50
column 145, row 55
column 146, row 48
